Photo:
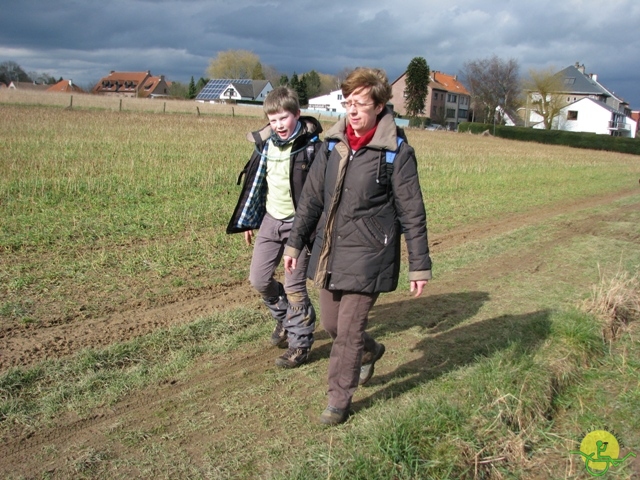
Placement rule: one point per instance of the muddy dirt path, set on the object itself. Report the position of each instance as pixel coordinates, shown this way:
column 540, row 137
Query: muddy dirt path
column 25, row 345
column 53, row 451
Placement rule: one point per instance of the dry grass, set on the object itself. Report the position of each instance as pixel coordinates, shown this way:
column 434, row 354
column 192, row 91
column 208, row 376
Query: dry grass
column 616, row 301
column 84, row 101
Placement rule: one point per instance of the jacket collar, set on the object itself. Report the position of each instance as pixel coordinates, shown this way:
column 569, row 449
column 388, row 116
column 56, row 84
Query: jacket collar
column 385, row 137
column 309, row 125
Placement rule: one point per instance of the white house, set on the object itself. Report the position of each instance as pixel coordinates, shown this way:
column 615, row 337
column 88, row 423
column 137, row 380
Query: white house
column 328, row 103
column 223, row 89
column 589, row 115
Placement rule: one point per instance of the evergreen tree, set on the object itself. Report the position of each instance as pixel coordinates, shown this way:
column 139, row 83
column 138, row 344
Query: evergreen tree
column 201, row 84
column 303, row 96
column 192, row 89
column 417, row 82
column 294, row 81
column 257, row 73
column 314, row 84
column 284, row 80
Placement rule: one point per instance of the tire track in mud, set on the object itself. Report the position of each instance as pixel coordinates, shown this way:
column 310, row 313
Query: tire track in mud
column 233, row 370
column 24, row 346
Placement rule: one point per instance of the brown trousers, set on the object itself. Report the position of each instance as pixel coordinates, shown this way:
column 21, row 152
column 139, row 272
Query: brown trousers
column 344, row 315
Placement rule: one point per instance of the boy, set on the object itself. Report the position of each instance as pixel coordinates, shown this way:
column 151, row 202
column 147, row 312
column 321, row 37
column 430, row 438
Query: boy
column 275, row 174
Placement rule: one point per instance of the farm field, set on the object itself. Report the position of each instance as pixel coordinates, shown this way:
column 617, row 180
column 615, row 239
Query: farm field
column 132, row 346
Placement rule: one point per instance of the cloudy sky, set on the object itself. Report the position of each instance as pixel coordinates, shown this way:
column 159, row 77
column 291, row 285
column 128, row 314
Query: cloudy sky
column 85, row 39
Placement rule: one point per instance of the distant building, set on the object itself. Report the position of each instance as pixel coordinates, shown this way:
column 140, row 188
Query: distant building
column 447, row 102
column 64, row 86
column 589, row 106
column 238, row 90
column 332, row 102
column 27, row 86
column 132, row 84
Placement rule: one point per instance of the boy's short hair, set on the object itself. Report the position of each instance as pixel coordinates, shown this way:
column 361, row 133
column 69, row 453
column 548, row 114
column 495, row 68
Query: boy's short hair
column 373, row 78
column 281, row 99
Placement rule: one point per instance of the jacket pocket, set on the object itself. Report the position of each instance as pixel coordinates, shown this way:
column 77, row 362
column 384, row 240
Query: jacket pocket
column 372, row 231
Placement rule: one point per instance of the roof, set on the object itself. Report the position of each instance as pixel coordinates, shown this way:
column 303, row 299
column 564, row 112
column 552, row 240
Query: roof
column 214, row 88
column 65, row 86
column 575, row 81
column 598, row 103
column 449, row 82
column 28, row 86
column 122, row 82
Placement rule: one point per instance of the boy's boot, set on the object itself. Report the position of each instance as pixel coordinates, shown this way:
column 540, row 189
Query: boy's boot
column 278, row 307
column 299, row 325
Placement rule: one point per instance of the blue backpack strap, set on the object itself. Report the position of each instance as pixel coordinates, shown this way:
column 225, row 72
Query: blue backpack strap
column 390, row 156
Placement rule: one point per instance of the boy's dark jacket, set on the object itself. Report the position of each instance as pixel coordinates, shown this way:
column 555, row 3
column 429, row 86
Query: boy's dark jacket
column 304, row 149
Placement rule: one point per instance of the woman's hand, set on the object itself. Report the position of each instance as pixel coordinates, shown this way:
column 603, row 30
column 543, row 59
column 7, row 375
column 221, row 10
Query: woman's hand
column 418, row 286
column 290, row 263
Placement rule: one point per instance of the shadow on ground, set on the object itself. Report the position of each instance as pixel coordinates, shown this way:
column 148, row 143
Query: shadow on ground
column 450, row 340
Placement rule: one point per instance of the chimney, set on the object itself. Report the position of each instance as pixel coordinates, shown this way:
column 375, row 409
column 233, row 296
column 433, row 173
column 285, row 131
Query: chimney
column 594, row 77
column 580, row 67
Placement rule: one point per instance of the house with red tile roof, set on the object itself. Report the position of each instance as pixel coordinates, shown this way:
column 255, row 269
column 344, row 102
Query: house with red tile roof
column 447, row 102
column 64, row 86
column 132, row 84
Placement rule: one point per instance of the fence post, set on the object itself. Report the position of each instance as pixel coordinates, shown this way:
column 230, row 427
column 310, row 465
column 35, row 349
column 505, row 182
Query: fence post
column 71, row 102
column 164, row 108
column 198, row 109
column 120, row 104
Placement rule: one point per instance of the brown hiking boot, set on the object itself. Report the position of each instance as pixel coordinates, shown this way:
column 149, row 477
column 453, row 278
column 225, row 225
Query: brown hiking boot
column 366, row 371
column 279, row 336
column 293, row 357
column 334, row 416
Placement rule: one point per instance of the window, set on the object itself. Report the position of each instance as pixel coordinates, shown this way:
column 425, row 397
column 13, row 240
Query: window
column 451, row 113
column 452, row 98
column 569, row 80
column 435, row 96
column 462, row 113
column 572, row 115
column 339, row 96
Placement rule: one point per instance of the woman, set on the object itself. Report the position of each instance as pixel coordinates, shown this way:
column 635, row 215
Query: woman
column 358, row 205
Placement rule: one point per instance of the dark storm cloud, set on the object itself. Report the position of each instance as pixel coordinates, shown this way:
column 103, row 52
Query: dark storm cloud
column 84, row 40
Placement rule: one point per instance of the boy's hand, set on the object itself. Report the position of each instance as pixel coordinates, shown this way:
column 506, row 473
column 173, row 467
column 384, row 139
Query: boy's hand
column 418, row 285
column 290, row 263
column 248, row 235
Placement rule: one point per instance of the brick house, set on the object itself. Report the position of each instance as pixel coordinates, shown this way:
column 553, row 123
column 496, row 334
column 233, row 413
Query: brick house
column 447, row 102
column 132, row 84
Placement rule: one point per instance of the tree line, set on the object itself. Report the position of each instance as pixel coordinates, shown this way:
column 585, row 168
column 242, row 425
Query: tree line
column 12, row 72
column 493, row 83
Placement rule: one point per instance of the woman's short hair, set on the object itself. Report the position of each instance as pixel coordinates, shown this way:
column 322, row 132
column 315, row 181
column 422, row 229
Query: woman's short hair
column 281, row 99
column 373, row 78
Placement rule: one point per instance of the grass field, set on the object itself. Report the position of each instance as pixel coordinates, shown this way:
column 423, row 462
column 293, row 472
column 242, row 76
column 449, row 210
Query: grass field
column 126, row 319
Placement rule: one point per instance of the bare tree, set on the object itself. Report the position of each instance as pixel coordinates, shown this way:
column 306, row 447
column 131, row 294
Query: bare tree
column 545, row 96
column 492, row 82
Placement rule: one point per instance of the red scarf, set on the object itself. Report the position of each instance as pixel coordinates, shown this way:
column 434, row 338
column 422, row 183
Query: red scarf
column 356, row 143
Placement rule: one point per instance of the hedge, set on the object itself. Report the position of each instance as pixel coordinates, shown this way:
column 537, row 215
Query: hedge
column 591, row 141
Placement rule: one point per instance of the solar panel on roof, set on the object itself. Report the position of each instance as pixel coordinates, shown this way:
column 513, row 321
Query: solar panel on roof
column 214, row 88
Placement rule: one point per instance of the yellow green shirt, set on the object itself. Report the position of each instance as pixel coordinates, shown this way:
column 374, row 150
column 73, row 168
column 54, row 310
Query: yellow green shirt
column 279, row 202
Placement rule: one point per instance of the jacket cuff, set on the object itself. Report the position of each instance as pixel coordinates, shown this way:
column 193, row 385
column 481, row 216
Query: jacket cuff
column 291, row 252
column 420, row 275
